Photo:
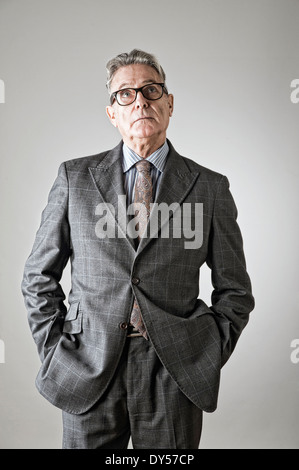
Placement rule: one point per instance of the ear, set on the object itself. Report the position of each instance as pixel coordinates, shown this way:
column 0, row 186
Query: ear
column 170, row 103
column 111, row 115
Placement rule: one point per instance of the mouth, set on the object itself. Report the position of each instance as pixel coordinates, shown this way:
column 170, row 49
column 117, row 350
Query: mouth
column 143, row 118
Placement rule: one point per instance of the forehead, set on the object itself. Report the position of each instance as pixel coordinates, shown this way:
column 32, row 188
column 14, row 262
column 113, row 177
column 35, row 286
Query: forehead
column 134, row 75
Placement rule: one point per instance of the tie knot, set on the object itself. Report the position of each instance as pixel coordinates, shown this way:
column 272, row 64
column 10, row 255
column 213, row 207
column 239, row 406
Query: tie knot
column 143, row 166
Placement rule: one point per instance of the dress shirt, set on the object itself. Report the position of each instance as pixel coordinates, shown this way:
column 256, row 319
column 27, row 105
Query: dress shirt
column 158, row 160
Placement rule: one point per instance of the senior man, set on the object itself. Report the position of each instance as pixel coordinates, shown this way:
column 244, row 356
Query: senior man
column 137, row 353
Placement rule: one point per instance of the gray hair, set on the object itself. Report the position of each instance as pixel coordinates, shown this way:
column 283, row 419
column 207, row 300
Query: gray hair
column 136, row 56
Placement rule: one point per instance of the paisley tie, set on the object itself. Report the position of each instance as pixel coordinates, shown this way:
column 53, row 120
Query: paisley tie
column 142, row 200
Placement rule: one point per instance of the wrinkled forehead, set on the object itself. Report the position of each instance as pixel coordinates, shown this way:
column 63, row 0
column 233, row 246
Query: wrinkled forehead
column 134, row 76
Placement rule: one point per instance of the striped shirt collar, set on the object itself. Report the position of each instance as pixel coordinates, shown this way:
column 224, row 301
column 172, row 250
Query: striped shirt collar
column 158, row 158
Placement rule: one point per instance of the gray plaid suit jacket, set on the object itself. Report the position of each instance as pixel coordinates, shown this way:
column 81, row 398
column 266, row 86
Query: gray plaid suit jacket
column 80, row 347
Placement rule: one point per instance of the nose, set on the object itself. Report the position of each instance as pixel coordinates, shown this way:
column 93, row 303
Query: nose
column 140, row 101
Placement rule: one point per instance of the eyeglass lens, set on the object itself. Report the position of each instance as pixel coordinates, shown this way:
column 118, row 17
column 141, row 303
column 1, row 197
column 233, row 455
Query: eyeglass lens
column 150, row 92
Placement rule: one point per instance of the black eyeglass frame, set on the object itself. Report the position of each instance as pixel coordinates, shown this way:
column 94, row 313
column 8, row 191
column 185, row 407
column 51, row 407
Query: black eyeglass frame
column 113, row 96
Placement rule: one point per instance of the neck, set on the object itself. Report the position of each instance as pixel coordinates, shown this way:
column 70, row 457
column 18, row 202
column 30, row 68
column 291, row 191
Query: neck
column 145, row 147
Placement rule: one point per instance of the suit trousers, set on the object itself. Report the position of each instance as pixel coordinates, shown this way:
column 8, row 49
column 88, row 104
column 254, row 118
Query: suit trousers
column 143, row 402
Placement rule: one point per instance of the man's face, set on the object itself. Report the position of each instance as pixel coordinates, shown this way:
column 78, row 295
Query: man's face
column 143, row 119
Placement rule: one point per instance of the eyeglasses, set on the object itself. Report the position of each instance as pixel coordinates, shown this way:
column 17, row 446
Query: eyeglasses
column 126, row 96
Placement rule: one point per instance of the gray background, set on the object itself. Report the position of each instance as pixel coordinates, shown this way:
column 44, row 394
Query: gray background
column 229, row 64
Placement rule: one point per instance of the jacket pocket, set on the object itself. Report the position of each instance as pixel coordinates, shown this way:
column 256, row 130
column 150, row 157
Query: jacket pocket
column 73, row 319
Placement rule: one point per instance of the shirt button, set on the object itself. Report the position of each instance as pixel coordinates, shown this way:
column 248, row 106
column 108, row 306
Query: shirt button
column 123, row 325
column 135, row 281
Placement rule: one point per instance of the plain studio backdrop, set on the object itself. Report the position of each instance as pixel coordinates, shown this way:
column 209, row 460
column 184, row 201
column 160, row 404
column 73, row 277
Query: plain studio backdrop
column 230, row 65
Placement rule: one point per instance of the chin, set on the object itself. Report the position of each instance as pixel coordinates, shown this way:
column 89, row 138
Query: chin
column 147, row 132
column 145, row 135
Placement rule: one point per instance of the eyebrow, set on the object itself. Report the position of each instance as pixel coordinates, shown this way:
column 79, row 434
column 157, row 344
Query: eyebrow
column 127, row 85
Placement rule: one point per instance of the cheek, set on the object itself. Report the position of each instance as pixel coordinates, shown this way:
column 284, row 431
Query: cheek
column 164, row 117
column 163, row 113
column 122, row 122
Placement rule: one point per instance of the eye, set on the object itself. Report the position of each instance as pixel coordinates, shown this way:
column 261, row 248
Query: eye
column 125, row 94
column 152, row 89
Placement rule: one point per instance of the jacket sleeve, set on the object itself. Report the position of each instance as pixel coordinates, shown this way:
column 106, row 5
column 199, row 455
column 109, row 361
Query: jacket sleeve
column 232, row 299
column 43, row 294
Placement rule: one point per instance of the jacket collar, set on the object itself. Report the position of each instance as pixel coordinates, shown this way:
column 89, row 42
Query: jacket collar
column 177, row 181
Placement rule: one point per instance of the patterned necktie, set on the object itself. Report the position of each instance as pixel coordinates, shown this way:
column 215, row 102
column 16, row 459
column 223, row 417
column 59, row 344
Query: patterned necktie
column 143, row 198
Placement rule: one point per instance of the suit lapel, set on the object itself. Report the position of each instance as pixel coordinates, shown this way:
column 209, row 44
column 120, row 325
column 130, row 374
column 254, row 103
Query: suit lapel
column 108, row 178
column 177, row 181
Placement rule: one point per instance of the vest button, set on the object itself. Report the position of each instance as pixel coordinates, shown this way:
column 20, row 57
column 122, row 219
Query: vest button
column 135, row 281
column 123, row 325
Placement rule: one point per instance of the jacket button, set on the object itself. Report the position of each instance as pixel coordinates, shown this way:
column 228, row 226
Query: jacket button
column 123, row 325
column 135, row 281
